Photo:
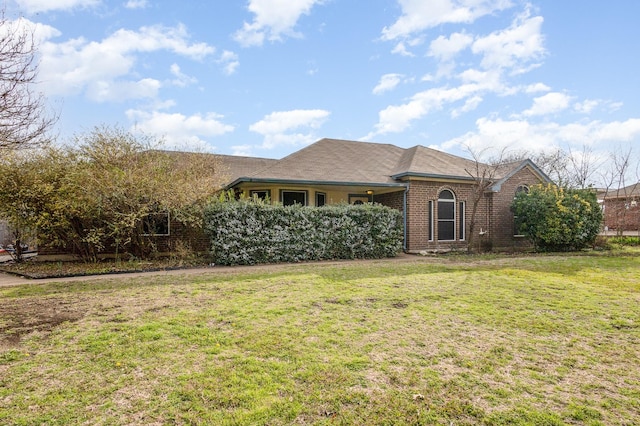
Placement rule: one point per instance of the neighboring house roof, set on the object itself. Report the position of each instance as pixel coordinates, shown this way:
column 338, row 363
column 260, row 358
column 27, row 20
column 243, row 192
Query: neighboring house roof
column 631, row 191
column 338, row 162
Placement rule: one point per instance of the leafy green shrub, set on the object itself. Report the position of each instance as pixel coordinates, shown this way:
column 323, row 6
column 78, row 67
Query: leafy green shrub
column 248, row 232
column 558, row 219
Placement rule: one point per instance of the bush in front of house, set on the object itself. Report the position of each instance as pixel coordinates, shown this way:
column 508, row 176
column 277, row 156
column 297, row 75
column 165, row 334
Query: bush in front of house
column 247, row 232
column 558, row 219
column 109, row 191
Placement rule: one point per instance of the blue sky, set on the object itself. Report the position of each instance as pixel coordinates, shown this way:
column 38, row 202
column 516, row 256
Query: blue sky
column 267, row 77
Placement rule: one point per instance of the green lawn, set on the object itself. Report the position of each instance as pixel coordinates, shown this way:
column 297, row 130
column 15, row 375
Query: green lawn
column 540, row 340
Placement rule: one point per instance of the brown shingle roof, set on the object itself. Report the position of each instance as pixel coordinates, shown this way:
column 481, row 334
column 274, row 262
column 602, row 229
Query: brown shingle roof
column 332, row 160
column 421, row 160
column 341, row 161
column 237, row 166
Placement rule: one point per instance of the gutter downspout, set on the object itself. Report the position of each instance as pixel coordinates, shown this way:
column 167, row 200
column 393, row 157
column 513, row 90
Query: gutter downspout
column 404, row 218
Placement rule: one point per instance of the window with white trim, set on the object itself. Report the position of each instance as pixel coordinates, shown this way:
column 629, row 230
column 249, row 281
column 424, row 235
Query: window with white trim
column 446, row 216
column 461, row 219
column 430, row 219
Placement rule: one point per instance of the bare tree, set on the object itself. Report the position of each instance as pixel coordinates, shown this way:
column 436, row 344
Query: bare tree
column 618, row 194
column 555, row 164
column 24, row 119
column 583, row 165
column 484, row 175
column 568, row 169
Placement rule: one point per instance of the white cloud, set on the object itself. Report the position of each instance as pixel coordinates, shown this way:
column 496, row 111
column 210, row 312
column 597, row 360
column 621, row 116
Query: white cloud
column 387, row 82
column 273, row 19
column 290, row 128
column 488, row 80
column 229, row 62
column 78, row 65
column 518, row 47
column 544, row 136
column 180, row 131
column 586, row 106
column 537, row 87
column 119, row 91
column 401, row 49
column 446, row 48
column 41, row 32
column 35, row 6
column 181, row 79
column 469, row 105
column 616, row 131
column 397, row 118
column 420, row 15
column 498, row 55
column 550, row 103
column 136, row 4
column 242, row 150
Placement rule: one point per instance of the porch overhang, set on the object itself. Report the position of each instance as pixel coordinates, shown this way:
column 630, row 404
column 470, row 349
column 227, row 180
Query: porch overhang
column 379, row 187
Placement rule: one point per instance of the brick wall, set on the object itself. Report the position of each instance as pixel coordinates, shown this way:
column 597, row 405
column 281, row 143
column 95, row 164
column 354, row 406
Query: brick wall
column 622, row 215
column 418, row 197
column 502, row 221
column 494, row 222
column 395, row 200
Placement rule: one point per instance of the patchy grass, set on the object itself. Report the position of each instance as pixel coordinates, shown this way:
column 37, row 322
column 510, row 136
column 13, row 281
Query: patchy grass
column 496, row 340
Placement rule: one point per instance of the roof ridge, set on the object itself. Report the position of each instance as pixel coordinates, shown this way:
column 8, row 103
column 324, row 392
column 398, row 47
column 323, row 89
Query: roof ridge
column 248, row 157
column 359, row 142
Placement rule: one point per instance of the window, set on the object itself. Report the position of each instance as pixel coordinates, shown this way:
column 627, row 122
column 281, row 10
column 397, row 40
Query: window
column 156, row 224
column 290, row 198
column 517, row 222
column 321, row 199
column 461, row 219
column 446, row 216
column 430, row 219
column 261, row 194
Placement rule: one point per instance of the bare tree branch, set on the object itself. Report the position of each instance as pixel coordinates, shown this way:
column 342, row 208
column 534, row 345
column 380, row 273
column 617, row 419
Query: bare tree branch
column 24, row 119
column 616, row 189
column 484, row 175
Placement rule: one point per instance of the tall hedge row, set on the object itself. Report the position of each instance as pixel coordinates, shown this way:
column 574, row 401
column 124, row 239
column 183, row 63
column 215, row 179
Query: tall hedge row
column 247, row 232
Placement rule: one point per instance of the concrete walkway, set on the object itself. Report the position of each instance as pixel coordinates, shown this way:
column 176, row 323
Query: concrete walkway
column 9, row 280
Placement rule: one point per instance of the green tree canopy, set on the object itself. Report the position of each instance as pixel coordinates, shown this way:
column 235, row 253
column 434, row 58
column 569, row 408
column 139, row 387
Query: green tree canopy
column 556, row 218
